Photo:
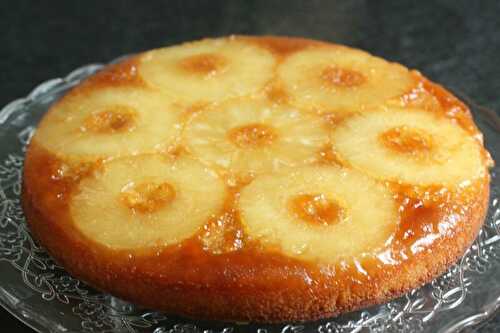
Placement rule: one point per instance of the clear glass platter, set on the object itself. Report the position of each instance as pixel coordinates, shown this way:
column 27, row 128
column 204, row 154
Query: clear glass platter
column 41, row 294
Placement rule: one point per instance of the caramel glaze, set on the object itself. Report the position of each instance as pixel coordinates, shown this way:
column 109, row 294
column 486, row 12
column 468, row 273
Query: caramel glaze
column 252, row 135
column 122, row 74
column 315, row 209
column 114, row 119
column 339, row 78
column 436, row 227
column 445, row 103
column 277, row 94
column 408, row 141
column 281, row 46
column 329, row 156
column 448, row 221
column 435, row 98
column 203, row 64
column 147, row 197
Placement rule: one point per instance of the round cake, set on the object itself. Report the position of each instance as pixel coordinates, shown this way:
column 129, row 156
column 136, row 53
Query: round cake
column 263, row 179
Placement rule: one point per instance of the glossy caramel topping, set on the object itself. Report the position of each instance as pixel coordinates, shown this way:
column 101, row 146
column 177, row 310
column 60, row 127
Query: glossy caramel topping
column 428, row 214
column 252, row 136
column 219, row 257
column 113, row 119
column 206, row 64
column 223, row 234
column 406, row 140
column 334, row 119
column 419, row 209
column 277, row 94
column 435, row 98
column 328, row 155
column 54, row 180
column 283, row 46
column 418, row 219
column 315, row 209
column 333, row 76
column 147, row 197
column 121, row 74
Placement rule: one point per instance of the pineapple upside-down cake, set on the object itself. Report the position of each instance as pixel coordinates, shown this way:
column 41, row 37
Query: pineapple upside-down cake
column 256, row 179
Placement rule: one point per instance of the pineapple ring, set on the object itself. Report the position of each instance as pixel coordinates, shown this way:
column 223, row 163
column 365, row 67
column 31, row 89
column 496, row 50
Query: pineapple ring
column 143, row 200
column 409, row 145
column 253, row 137
column 110, row 122
column 341, row 79
column 359, row 222
column 215, row 69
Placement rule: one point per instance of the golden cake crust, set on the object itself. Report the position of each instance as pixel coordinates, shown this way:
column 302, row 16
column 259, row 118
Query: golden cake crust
column 252, row 281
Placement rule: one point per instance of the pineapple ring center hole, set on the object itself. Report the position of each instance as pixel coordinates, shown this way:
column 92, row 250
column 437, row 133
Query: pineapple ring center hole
column 204, row 64
column 333, row 76
column 408, row 141
column 252, row 136
column 113, row 119
column 316, row 209
column 147, row 197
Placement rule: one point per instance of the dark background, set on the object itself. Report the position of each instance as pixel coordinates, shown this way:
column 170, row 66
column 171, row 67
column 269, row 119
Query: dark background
column 456, row 43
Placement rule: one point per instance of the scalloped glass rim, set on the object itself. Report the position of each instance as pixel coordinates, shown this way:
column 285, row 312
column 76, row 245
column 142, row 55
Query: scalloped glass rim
column 42, row 295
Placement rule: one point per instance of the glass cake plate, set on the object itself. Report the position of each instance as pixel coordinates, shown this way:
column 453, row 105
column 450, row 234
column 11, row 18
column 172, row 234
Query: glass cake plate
column 42, row 295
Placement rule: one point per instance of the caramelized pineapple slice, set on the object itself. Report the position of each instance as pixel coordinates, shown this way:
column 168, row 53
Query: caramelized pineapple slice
column 253, row 137
column 341, row 79
column 317, row 213
column 109, row 123
column 210, row 70
column 146, row 200
column 410, row 146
